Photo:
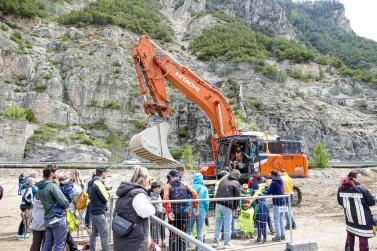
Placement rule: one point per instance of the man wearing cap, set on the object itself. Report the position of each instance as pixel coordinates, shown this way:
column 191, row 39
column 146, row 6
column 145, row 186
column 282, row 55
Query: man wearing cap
column 229, row 187
column 98, row 198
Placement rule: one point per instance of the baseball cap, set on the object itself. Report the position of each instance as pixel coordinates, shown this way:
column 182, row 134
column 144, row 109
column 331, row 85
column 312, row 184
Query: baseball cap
column 100, row 170
column 245, row 186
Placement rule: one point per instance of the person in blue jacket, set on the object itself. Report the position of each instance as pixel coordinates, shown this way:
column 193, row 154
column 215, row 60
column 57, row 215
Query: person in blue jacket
column 199, row 220
column 279, row 205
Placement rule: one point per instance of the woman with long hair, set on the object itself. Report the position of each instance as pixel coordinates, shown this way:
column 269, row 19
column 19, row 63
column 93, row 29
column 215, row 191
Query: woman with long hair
column 134, row 205
column 356, row 200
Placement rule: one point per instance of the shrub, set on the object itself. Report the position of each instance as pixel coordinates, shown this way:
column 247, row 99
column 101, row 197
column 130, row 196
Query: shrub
column 117, row 142
column 141, row 17
column 253, row 101
column 187, row 156
column 18, row 113
column 39, row 88
column 320, row 158
column 4, row 27
column 183, row 132
column 23, row 8
column 112, row 104
column 176, row 152
column 98, row 125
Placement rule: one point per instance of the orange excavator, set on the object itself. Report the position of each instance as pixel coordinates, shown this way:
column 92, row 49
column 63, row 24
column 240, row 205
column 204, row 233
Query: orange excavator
column 231, row 147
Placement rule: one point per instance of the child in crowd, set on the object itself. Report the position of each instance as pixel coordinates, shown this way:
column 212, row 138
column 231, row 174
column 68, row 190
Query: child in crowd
column 21, row 183
column 246, row 219
column 155, row 195
column 66, row 186
column 261, row 218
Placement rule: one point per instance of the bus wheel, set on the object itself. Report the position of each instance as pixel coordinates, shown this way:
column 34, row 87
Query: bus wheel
column 297, row 196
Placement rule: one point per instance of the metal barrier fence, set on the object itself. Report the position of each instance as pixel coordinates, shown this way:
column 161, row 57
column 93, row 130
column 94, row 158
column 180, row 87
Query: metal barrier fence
column 234, row 223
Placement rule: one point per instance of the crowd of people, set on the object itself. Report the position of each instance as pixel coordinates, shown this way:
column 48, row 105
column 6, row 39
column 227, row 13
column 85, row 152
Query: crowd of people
column 45, row 204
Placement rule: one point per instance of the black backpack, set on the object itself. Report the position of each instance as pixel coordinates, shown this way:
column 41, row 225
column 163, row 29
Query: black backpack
column 178, row 191
column 1, row 192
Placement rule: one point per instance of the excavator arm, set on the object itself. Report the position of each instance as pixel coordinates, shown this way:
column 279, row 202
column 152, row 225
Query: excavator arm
column 153, row 66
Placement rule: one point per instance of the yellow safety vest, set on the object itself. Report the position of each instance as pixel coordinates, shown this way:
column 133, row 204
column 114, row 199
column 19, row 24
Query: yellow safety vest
column 246, row 220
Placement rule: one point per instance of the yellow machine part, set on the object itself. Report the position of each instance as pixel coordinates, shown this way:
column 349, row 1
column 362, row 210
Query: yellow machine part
column 151, row 144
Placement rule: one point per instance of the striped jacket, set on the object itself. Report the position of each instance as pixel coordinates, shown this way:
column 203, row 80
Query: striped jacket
column 356, row 202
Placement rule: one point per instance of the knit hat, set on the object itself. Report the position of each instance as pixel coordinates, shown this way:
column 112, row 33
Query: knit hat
column 235, row 173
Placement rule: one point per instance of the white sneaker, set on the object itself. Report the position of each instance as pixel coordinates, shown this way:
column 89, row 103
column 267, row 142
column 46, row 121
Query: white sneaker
column 229, row 246
column 54, row 221
column 215, row 245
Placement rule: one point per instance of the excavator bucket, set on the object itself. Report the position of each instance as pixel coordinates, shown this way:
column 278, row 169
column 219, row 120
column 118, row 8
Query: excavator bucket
column 151, row 144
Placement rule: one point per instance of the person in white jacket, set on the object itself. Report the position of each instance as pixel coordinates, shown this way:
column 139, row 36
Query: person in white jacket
column 37, row 224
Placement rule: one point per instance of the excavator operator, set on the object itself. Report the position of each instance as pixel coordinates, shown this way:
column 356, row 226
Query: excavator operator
column 237, row 158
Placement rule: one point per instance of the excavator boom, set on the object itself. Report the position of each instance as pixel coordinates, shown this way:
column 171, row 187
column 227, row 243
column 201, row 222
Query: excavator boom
column 153, row 66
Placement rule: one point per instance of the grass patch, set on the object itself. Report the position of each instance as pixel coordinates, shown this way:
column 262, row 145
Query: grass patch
column 140, row 124
column 141, row 17
column 98, row 125
column 89, row 140
column 47, row 132
column 39, row 88
column 112, row 104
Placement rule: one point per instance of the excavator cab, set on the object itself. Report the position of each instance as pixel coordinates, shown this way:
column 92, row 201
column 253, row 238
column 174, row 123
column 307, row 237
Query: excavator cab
column 240, row 152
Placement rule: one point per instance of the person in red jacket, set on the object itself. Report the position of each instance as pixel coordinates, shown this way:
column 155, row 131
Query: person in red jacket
column 253, row 183
column 255, row 180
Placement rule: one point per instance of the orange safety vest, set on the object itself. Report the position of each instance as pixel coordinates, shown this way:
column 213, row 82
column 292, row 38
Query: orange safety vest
column 239, row 156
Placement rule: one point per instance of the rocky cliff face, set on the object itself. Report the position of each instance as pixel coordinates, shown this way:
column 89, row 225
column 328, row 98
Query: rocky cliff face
column 84, row 79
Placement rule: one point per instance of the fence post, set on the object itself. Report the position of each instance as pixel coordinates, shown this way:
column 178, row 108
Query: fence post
column 290, row 218
column 110, row 219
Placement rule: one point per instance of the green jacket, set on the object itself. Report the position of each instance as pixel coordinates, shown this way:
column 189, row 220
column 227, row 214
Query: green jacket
column 50, row 194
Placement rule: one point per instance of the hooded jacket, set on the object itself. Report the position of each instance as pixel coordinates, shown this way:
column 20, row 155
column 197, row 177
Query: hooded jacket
column 38, row 222
column 356, row 202
column 229, row 187
column 276, row 188
column 137, row 240
column 50, row 194
column 98, row 196
column 202, row 192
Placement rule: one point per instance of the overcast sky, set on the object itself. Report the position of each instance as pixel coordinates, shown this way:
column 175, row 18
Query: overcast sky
column 363, row 17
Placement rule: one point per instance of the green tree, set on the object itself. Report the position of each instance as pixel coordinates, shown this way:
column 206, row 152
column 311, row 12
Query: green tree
column 320, row 157
column 187, row 156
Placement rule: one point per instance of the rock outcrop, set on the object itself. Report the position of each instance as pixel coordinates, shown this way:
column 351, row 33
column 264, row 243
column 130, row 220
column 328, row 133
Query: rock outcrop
column 83, row 78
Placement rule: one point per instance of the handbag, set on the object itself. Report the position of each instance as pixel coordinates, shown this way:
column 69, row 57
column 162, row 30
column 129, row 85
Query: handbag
column 121, row 226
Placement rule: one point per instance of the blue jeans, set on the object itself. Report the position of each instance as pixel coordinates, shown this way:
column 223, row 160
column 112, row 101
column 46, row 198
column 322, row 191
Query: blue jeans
column 199, row 221
column 279, row 220
column 290, row 215
column 223, row 215
column 55, row 235
column 262, row 230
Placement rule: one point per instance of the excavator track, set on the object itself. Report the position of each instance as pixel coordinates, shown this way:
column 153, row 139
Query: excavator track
column 151, row 144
